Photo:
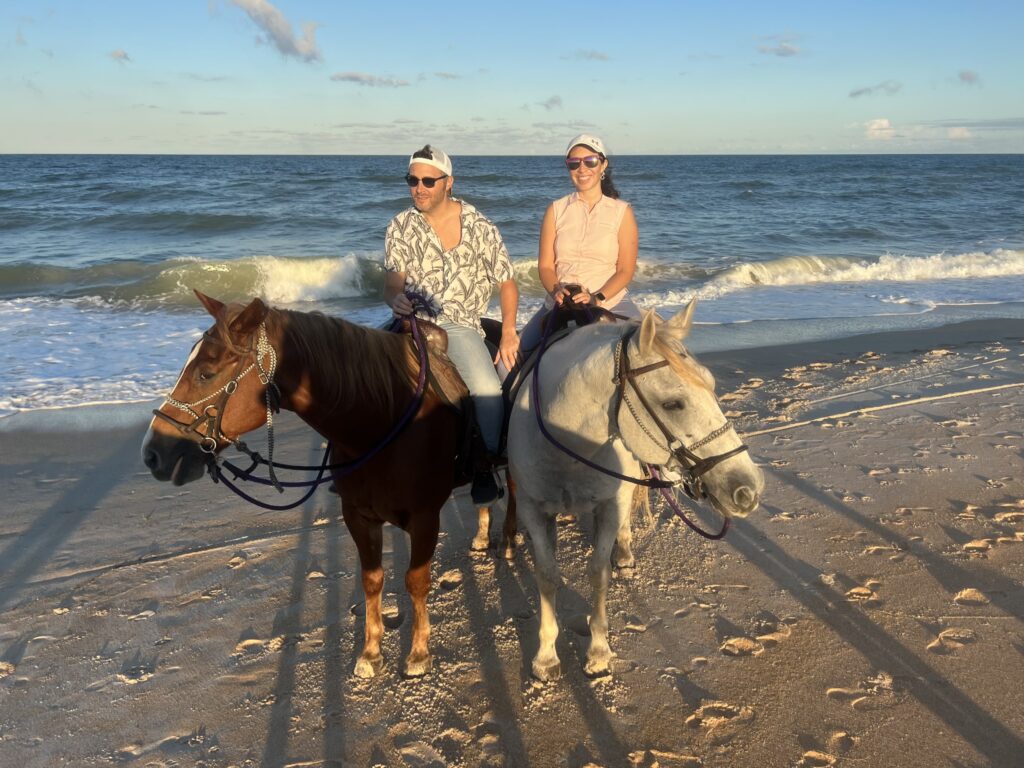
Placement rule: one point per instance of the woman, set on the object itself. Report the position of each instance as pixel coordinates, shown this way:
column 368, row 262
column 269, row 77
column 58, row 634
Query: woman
column 588, row 240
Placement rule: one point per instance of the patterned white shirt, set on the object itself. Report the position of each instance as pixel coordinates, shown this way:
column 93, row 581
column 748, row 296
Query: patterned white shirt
column 458, row 283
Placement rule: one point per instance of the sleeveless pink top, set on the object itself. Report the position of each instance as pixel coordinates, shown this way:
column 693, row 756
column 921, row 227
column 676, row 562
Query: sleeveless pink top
column 587, row 242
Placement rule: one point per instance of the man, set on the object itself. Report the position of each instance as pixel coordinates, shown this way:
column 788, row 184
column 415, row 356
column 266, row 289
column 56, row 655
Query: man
column 449, row 254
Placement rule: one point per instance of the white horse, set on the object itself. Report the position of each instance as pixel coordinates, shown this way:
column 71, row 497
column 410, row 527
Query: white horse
column 589, row 406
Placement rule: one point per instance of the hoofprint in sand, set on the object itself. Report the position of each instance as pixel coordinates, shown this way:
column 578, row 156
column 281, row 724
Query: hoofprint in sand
column 870, row 613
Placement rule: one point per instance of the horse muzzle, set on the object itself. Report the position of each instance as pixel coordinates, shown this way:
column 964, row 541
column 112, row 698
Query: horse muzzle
column 739, row 494
column 175, row 459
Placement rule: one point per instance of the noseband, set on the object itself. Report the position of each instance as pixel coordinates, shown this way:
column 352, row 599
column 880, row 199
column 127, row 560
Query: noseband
column 205, row 428
column 693, row 465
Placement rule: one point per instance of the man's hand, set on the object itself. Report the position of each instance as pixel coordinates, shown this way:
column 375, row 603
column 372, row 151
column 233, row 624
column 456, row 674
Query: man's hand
column 401, row 306
column 508, row 348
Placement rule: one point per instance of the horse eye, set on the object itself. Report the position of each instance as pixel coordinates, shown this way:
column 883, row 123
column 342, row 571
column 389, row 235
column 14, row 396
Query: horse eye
column 206, row 375
column 673, row 405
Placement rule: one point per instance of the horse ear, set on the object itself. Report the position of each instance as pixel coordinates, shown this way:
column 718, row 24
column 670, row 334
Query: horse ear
column 648, row 329
column 680, row 323
column 213, row 306
column 249, row 318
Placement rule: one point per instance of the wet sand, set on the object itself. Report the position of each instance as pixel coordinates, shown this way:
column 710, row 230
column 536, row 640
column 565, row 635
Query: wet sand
column 871, row 613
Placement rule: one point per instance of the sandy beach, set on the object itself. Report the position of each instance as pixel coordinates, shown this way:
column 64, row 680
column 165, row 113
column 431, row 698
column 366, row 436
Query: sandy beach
column 868, row 614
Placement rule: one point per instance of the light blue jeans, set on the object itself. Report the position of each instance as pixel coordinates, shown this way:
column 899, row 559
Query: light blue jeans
column 467, row 350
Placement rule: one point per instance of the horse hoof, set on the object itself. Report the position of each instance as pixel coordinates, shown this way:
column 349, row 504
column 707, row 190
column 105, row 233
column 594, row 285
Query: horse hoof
column 597, row 668
column 624, row 572
column 369, row 667
column 509, row 552
column 547, row 672
column 418, row 667
column 479, row 544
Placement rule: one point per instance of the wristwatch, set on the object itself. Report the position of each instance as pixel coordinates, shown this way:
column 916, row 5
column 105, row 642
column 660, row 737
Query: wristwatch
column 598, row 295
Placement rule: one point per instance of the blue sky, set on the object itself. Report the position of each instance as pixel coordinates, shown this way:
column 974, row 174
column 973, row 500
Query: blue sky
column 318, row 77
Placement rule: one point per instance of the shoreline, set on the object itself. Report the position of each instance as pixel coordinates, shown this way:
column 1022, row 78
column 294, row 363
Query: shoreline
column 732, row 344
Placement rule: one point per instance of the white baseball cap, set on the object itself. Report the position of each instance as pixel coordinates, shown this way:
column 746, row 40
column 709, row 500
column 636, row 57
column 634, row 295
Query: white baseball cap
column 587, row 140
column 437, row 159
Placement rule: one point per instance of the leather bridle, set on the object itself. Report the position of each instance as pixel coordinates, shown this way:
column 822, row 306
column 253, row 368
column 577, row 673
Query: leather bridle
column 694, row 467
column 205, row 427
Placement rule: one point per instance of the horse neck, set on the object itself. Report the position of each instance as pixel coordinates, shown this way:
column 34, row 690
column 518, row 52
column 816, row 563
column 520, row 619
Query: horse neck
column 332, row 372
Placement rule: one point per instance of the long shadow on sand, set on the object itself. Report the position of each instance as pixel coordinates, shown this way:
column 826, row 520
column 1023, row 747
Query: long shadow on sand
column 28, row 553
column 288, row 624
column 800, row 579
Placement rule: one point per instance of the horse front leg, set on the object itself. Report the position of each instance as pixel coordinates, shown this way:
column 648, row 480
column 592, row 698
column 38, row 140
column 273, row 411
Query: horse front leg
column 608, row 518
column 622, row 550
column 540, row 523
column 368, row 537
column 423, row 535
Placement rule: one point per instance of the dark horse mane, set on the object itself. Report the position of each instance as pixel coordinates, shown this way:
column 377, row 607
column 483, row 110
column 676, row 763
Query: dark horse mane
column 355, row 364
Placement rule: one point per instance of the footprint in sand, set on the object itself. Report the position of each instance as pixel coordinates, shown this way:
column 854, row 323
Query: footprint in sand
column 970, row 596
column 876, row 692
column 865, row 594
column 719, row 722
column 250, row 646
column 657, row 758
column 137, row 669
column 815, row 759
column 450, row 579
column 951, row 639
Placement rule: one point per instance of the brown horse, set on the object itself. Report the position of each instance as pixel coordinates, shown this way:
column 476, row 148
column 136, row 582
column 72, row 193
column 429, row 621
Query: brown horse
column 352, row 385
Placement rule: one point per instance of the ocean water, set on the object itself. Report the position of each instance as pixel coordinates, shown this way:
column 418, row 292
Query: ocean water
column 98, row 254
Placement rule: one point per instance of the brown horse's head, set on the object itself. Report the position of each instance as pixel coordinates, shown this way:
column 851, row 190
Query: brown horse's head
column 218, row 396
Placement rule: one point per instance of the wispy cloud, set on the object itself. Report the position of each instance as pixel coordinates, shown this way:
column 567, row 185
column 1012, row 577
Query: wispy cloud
column 120, row 55
column 588, row 55
column 372, row 81
column 781, row 45
column 879, row 129
column 958, row 133
column 969, row 77
column 209, row 113
column 446, row 75
column 555, row 102
column 204, row 78
column 889, row 87
column 278, row 30
column 997, row 124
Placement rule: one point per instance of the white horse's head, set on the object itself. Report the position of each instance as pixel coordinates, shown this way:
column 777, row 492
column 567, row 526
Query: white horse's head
column 679, row 399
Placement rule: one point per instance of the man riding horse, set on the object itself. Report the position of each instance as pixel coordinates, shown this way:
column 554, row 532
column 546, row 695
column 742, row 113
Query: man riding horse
column 446, row 252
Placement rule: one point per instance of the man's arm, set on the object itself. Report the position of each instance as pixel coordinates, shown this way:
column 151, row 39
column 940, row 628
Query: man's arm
column 508, row 349
column 394, row 293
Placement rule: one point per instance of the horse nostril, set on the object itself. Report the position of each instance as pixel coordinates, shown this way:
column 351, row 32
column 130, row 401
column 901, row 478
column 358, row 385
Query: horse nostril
column 151, row 459
column 745, row 498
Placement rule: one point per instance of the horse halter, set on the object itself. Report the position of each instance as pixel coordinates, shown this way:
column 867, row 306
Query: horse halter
column 212, row 414
column 694, row 466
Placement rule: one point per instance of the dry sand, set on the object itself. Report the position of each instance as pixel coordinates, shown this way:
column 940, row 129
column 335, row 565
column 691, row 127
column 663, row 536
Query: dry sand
column 869, row 614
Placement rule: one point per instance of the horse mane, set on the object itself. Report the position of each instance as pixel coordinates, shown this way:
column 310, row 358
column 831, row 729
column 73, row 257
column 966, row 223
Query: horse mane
column 356, row 364
column 670, row 346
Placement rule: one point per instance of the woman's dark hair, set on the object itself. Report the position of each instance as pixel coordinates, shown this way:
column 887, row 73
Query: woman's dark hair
column 607, row 187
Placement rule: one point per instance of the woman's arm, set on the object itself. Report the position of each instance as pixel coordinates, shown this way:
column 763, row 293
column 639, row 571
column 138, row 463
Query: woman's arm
column 625, row 265
column 546, row 258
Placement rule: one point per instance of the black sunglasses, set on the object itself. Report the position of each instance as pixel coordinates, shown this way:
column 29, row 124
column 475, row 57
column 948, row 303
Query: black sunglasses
column 591, row 161
column 428, row 182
